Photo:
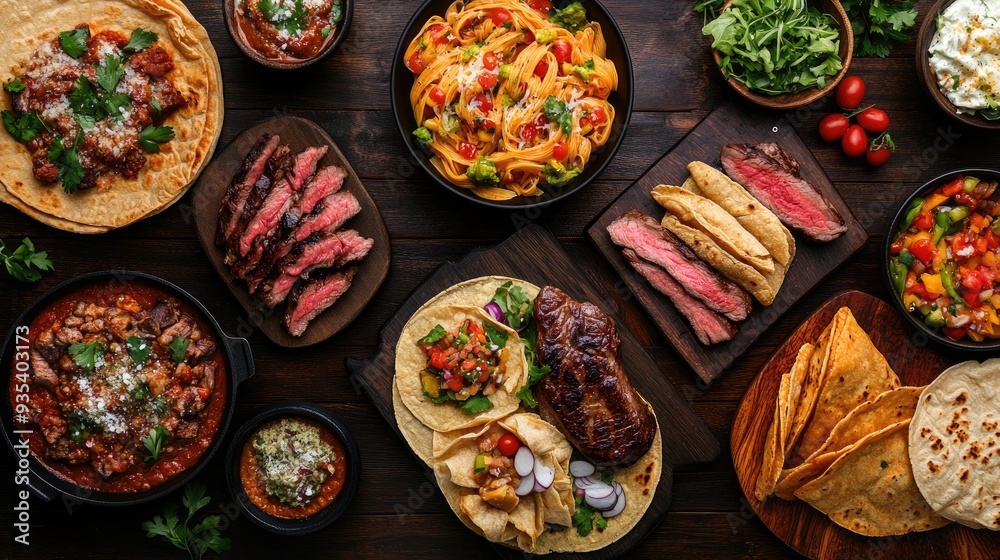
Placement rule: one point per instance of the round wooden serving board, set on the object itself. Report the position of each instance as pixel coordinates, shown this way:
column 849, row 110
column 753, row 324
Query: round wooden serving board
column 796, row 523
column 299, row 134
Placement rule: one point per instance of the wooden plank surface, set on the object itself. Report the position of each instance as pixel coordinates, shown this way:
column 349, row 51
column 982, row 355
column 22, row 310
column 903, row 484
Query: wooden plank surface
column 396, row 511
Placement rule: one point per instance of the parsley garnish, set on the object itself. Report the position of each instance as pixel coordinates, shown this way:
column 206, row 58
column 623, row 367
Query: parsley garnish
column 155, row 104
column 152, row 136
column 535, row 374
column 23, row 129
column 475, row 404
column 557, row 112
column 292, row 22
column 24, row 263
column 179, row 348
column 515, row 304
column 497, row 336
column 585, row 518
column 14, row 85
column 71, row 171
column 154, row 442
column 140, row 40
column 878, row 24
column 110, row 72
column 87, row 355
column 196, row 540
column 74, row 41
column 436, row 334
column 139, row 349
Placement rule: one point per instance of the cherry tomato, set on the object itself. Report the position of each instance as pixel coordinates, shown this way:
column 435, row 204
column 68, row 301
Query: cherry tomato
column 440, row 34
column 437, row 359
column 501, row 17
column 560, row 150
column 529, row 132
column 490, row 61
column 896, row 247
column 487, row 80
column 529, row 36
column 924, row 220
column 874, row 120
column 487, row 124
column 429, row 112
column 855, row 141
column 850, row 92
column 954, row 187
column 542, row 68
column 455, row 383
column 482, row 102
column 540, row 5
column 467, row 150
column 416, row 62
column 833, row 127
column 923, row 250
column 563, row 51
column 598, row 115
column 541, row 120
column 954, row 334
column 877, row 156
column 508, row 444
column 437, row 95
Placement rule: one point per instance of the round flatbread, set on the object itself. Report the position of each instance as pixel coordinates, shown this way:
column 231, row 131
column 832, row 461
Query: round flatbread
column 167, row 175
column 954, row 444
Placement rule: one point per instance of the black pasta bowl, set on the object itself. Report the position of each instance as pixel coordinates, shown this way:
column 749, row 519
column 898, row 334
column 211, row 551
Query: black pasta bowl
column 45, row 483
column 325, row 516
column 933, row 333
column 401, row 81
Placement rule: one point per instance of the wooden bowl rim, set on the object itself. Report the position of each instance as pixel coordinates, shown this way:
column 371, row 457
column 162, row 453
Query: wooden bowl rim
column 923, row 41
column 804, row 97
column 229, row 11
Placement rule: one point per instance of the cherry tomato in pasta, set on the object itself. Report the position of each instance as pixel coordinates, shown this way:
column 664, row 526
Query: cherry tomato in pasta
column 541, row 120
column 440, row 34
column 467, row 150
column 482, row 102
column 598, row 115
column 487, row 80
column 541, row 5
column 529, row 132
column 488, row 125
column 541, row 69
column 490, row 61
column 563, row 51
column 437, row 95
column 501, row 17
column 529, row 36
column 416, row 62
column 560, row 150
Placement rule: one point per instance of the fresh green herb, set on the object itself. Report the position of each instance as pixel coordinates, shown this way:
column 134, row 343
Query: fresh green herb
column 178, row 347
column 483, row 173
column 557, row 112
column 556, row 173
column 515, row 304
column 160, row 405
column 535, row 374
column 25, row 263
column 990, row 114
column 86, row 122
column 326, row 33
column 195, row 540
column 336, row 12
column 584, row 70
column 139, row 349
column 423, row 135
column 883, row 464
column 155, row 441
column 140, row 40
column 110, row 72
column 475, row 404
column 585, row 518
column 25, row 128
column 155, row 104
column 956, row 81
column 141, row 393
column 83, row 99
column 776, row 46
column 291, row 21
column 497, row 336
column 71, row 171
column 436, row 334
column 152, row 136
column 573, row 17
column 709, row 8
column 14, row 85
column 87, row 355
column 74, row 41
column 879, row 24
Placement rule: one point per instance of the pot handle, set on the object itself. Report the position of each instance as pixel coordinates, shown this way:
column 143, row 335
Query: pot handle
column 40, row 488
column 242, row 366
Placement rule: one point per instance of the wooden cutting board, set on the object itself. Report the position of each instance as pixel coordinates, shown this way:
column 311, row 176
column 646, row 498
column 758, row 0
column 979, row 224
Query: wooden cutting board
column 534, row 255
column 299, row 134
column 731, row 123
column 796, row 523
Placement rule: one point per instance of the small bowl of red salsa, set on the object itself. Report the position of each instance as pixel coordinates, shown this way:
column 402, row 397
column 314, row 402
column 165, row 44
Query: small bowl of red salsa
column 941, row 259
column 287, row 34
column 293, row 468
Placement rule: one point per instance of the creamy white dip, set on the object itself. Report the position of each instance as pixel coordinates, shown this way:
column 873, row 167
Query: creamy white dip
column 965, row 54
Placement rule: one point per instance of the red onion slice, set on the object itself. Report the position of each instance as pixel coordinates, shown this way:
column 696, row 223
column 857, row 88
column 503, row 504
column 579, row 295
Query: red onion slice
column 494, row 310
column 600, row 490
column 586, row 481
column 524, row 461
column 604, row 503
column 581, row 468
column 618, row 487
column 617, row 508
column 539, row 488
column 544, row 475
column 526, row 486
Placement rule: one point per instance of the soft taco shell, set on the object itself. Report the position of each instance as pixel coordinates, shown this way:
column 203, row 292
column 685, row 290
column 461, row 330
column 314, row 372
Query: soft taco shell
column 420, row 438
column 477, row 292
column 165, row 177
column 410, row 361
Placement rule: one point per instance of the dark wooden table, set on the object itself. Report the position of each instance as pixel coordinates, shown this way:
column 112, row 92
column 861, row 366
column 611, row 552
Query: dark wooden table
column 397, row 512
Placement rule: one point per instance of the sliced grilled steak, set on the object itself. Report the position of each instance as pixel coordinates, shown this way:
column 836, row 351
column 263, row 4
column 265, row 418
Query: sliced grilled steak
column 587, row 394
column 325, row 182
column 280, row 198
column 772, row 176
column 708, row 326
column 236, row 194
column 644, row 235
column 315, row 296
column 275, row 170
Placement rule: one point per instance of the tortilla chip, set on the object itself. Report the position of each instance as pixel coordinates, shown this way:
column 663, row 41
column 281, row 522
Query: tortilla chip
column 690, row 185
column 707, row 216
column 709, row 251
column 803, row 388
column 870, row 489
column 774, row 456
column 748, row 211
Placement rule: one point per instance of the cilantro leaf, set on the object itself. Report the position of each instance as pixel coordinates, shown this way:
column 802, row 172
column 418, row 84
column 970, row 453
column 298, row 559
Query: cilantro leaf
column 155, row 104
column 71, row 171
column 476, row 404
column 74, row 41
column 179, row 348
column 25, row 264
column 515, row 304
column 83, row 99
column 497, row 336
column 879, row 24
column 114, row 104
column 152, row 136
column 14, row 85
column 154, row 442
column 291, row 21
column 25, row 128
column 436, row 334
column 110, row 72
column 557, row 112
column 87, row 355
column 140, row 40
column 139, row 349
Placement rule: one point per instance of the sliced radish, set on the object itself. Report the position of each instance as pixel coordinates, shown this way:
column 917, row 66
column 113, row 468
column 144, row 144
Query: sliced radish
column 617, row 508
column 602, row 503
column 544, row 475
column 618, row 487
column 600, row 490
column 581, row 468
column 613, row 504
column 539, row 488
column 524, row 461
column 586, row 481
column 526, row 486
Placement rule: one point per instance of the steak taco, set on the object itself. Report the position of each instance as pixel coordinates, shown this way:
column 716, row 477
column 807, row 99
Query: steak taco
column 111, row 109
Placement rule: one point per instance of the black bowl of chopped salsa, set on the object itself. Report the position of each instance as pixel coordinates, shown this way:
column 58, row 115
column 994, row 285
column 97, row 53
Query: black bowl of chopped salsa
column 293, row 468
column 288, row 34
column 402, row 80
column 941, row 259
column 120, row 388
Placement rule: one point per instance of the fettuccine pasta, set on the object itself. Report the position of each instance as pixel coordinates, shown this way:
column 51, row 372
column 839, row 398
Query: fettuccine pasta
column 509, row 99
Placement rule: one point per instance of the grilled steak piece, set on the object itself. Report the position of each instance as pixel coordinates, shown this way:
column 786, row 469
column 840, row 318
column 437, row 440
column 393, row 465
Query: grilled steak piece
column 587, row 394
column 236, row 194
column 315, row 296
column 274, row 171
column 644, row 235
column 772, row 177
column 325, row 182
column 708, row 326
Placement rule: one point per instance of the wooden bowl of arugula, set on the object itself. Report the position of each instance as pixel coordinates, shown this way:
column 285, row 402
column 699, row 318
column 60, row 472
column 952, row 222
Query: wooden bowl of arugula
column 780, row 74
